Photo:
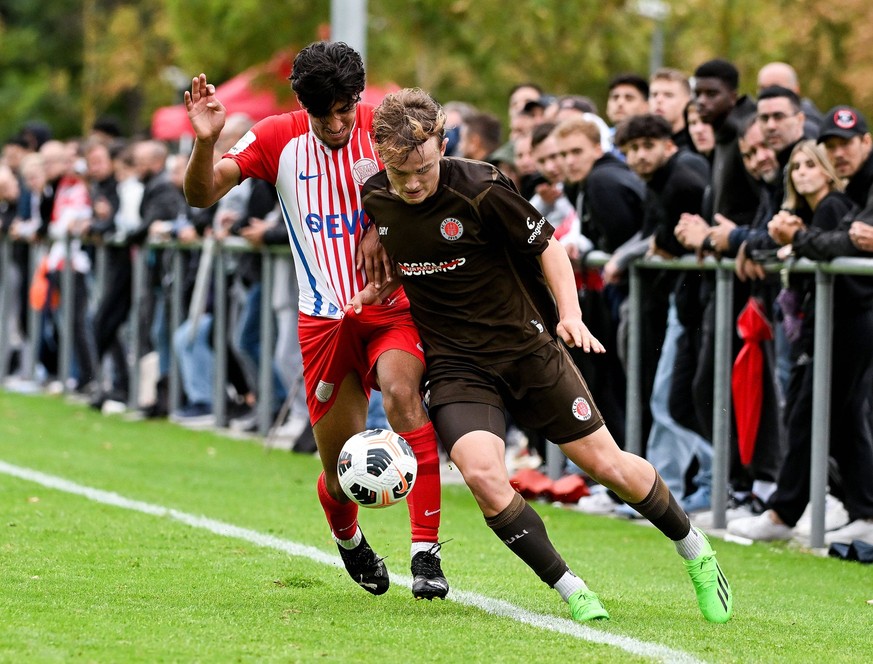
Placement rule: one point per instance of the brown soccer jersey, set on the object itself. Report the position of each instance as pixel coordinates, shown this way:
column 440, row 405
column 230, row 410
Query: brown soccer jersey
column 467, row 259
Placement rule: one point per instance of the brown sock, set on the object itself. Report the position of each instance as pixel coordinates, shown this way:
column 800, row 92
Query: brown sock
column 660, row 507
column 524, row 532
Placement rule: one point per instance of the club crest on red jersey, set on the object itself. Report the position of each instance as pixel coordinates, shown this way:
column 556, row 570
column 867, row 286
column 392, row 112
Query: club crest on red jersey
column 581, row 410
column 364, row 169
column 451, row 229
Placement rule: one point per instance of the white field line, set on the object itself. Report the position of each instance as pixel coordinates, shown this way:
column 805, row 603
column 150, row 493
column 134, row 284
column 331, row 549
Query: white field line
column 487, row 604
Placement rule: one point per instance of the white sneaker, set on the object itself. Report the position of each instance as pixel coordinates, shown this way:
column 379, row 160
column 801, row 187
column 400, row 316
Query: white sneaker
column 836, row 516
column 245, row 423
column 55, row 387
column 111, row 407
column 859, row 529
column 760, row 528
column 596, row 503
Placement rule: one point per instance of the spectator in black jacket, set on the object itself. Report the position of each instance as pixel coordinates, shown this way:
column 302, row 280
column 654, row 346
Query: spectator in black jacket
column 781, row 121
column 115, row 300
column 736, row 196
column 715, row 88
column 608, row 195
column 609, row 203
column 674, row 186
column 162, row 201
column 751, row 484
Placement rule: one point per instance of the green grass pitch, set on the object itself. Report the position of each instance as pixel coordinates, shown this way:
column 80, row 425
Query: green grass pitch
column 83, row 580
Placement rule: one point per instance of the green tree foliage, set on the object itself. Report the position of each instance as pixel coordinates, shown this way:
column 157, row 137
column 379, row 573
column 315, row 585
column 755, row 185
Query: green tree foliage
column 127, row 62
column 223, row 37
column 476, row 50
column 68, row 62
column 40, row 62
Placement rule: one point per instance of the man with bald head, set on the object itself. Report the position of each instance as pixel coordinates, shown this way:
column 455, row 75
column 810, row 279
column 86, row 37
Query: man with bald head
column 161, row 199
column 784, row 75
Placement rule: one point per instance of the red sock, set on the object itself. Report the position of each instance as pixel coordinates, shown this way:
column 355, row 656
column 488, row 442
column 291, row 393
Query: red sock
column 424, row 501
column 342, row 517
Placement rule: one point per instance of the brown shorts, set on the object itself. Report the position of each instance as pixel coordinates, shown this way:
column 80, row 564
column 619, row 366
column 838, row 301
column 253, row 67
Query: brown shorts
column 542, row 390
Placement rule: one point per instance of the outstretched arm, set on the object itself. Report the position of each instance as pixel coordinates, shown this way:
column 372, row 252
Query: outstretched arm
column 206, row 181
column 559, row 276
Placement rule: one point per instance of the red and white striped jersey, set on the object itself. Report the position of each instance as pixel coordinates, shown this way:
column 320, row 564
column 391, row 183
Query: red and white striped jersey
column 320, row 196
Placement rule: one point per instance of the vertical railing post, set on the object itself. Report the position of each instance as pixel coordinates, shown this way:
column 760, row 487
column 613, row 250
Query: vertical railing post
column 219, row 336
column 268, row 341
column 821, row 403
column 68, row 310
column 633, row 421
column 138, row 259
column 175, row 313
column 34, row 317
column 721, row 403
column 5, row 296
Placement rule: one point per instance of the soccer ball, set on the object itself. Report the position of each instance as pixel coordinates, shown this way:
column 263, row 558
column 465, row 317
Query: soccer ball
column 376, row 468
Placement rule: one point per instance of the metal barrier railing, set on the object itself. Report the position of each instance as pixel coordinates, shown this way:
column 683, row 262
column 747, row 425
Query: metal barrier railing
column 724, row 325
column 724, row 330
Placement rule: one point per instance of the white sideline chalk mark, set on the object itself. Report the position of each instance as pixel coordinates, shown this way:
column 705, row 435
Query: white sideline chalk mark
column 488, row 604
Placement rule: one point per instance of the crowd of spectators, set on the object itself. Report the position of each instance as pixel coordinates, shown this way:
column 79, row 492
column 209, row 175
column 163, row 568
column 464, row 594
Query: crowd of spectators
column 680, row 164
column 685, row 164
column 106, row 199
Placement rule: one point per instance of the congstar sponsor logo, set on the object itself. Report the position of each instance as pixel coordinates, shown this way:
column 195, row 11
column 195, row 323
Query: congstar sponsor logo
column 536, row 229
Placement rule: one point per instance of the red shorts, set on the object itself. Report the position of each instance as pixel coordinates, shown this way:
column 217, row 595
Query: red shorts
column 333, row 348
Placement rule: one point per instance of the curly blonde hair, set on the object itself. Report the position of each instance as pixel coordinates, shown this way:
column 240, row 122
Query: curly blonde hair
column 404, row 121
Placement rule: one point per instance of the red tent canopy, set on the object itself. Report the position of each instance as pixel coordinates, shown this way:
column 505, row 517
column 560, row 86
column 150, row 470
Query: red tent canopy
column 253, row 92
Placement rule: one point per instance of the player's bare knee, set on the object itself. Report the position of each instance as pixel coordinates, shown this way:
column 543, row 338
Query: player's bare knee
column 607, row 473
column 401, row 394
column 483, row 481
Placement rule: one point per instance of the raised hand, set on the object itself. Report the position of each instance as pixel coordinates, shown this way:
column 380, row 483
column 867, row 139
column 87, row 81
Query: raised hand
column 206, row 113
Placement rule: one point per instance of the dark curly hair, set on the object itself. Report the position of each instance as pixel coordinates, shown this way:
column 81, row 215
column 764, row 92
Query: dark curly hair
column 647, row 125
column 325, row 73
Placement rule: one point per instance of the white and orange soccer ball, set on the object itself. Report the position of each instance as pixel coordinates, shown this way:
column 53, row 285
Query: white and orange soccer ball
column 376, row 468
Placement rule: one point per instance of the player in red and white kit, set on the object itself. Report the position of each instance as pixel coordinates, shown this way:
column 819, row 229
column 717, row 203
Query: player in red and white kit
column 319, row 158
